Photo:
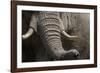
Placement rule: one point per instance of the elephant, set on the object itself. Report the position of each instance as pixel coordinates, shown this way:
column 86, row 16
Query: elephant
column 51, row 27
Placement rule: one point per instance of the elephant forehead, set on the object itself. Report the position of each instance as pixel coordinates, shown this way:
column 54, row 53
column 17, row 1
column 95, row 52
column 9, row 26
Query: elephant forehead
column 49, row 14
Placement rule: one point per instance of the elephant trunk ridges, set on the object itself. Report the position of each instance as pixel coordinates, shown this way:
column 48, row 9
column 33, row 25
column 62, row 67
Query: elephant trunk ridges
column 50, row 33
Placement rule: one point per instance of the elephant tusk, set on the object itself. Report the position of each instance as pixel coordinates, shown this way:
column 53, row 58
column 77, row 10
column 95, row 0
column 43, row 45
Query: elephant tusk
column 67, row 35
column 28, row 33
column 63, row 31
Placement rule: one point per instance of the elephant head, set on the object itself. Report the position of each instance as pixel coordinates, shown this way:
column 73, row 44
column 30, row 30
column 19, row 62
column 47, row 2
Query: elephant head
column 49, row 26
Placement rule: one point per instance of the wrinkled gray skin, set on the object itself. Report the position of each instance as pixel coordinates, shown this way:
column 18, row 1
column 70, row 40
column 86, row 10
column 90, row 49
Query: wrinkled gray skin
column 50, row 26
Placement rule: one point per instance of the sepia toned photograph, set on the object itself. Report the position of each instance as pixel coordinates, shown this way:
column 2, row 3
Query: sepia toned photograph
column 52, row 36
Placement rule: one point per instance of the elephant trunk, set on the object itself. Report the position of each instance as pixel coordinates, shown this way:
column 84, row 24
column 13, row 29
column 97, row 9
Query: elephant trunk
column 50, row 33
column 49, row 30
